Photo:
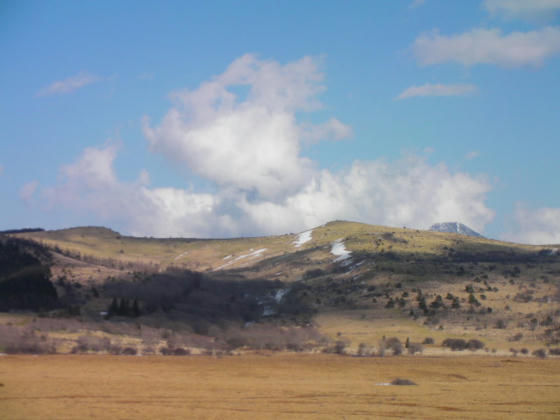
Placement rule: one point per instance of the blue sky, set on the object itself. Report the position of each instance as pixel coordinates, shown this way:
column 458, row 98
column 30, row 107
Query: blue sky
column 247, row 118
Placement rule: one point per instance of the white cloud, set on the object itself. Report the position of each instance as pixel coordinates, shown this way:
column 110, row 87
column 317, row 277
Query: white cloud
column 68, row 85
column 27, row 191
column 333, row 129
column 250, row 148
column 90, row 186
column 488, row 46
column 250, row 143
column 429, row 89
column 522, row 8
column 539, row 226
column 409, row 192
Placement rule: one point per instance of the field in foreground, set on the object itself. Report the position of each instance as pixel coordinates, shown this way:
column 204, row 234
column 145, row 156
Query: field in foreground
column 277, row 386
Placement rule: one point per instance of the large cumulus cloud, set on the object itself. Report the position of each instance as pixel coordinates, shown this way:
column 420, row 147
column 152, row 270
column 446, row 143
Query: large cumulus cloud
column 242, row 130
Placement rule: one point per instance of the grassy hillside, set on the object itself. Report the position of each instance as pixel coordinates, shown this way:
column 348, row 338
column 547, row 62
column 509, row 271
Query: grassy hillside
column 357, row 283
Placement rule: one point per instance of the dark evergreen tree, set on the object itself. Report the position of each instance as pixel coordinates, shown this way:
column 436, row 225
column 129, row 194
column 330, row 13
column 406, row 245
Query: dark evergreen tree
column 113, row 308
column 135, row 308
column 123, row 307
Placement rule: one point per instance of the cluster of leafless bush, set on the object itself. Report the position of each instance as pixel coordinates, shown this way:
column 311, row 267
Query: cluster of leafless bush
column 387, row 346
column 540, row 353
column 99, row 337
column 16, row 340
column 458, row 344
column 276, row 338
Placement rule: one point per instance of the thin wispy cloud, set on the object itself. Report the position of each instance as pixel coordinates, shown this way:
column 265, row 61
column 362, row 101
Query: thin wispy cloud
column 523, row 8
column 416, row 3
column 488, row 46
column 333, row 129
column 69, row 85
column 537, row 226
column 436, row 90
column 27, row 191
column 472, row 155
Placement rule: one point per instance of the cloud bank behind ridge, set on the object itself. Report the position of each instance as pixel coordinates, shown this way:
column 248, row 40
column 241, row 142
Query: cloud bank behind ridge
column 249, row 147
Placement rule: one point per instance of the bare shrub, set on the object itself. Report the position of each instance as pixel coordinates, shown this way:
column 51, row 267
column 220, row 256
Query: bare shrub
column 9, row 335
column 524, row 351
column 394, row 344
column 364, row 350
column 179, row 351
column 514, row 351
column 236, row 342
column 474, row 345
column 428, row 340
column 340, row 347
column 516, row 337
column 454, row 343
column 148, row 350
column 501, row 324
column 150, row 336
column 554, row 352
column 115, row 349
column 540, row 353
column 267, row 337
column 60, row 324
column 92, row 343
column 31, row 344
column 15, row 339
column 523, row 297
column 414, row 348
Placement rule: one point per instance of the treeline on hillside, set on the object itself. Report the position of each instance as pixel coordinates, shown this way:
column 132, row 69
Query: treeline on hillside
column 25, row 276
column 105, row 262
column 24, row 230
column 199, row 300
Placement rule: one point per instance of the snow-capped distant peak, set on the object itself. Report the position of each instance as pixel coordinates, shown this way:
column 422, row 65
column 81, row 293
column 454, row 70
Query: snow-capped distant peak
column 455, row 227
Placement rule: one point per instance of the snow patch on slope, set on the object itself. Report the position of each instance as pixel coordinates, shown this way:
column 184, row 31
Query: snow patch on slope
column 302, row 238
column 253, row 254
column 181, row 255
column 338, row 249
column 279, row 295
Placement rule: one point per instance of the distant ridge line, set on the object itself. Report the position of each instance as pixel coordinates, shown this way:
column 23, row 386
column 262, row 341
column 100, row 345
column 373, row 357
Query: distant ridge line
column 455, row 227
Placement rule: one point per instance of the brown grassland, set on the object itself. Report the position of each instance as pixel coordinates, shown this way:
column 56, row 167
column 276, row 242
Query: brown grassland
column 277, row 386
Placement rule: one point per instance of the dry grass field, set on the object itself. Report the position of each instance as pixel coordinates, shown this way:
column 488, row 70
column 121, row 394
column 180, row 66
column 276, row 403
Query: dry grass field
column 277, row 386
